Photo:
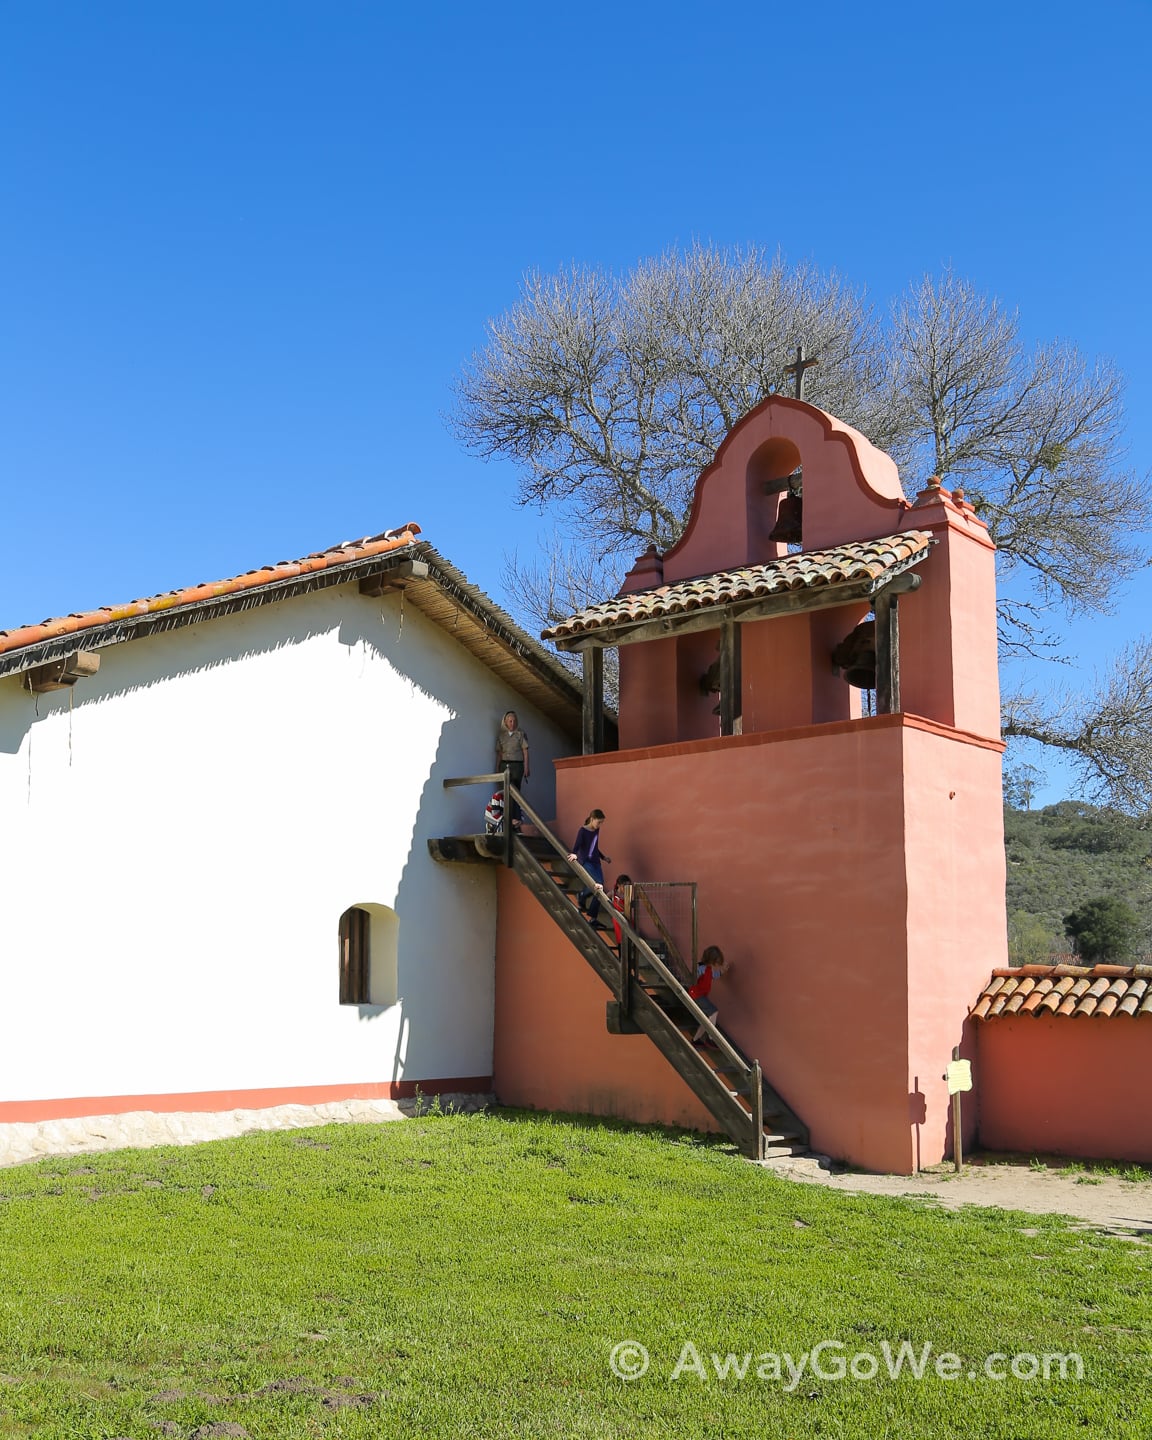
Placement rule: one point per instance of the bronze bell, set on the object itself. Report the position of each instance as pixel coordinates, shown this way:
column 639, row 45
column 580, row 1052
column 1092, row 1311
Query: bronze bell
column 789, row 527
column 855, row 656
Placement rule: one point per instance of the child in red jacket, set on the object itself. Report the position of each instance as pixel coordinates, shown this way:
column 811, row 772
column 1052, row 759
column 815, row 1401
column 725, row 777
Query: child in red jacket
column 712, row 963
column 620, row 898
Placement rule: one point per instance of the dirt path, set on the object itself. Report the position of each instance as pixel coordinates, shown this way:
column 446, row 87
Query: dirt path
column 1103, row 1202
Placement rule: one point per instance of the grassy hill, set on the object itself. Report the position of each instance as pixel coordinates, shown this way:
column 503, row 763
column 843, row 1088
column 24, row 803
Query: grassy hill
column 1063, row 855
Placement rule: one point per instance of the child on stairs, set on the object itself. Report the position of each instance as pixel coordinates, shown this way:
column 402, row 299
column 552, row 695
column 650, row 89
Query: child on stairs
column 712, row 963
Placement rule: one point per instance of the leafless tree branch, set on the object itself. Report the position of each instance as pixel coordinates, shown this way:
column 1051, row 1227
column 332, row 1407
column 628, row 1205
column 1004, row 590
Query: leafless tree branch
column 612, row 393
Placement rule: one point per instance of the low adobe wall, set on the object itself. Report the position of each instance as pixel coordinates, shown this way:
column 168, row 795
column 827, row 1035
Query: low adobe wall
column 1066, row 1086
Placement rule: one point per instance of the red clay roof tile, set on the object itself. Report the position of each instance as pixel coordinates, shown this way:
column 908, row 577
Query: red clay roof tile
column 1037, row 997
column 344, row 554
column 808, row 570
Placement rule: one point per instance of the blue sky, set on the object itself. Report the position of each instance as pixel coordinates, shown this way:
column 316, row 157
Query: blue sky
column 248, row 245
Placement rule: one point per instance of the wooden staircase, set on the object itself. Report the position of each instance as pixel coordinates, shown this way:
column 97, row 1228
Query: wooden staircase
column 649, row 999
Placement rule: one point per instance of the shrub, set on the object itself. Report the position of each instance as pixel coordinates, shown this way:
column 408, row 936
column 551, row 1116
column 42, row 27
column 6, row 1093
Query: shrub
column 1102, row 929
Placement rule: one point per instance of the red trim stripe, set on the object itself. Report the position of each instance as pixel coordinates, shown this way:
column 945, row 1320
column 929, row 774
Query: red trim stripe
column 208, row 1101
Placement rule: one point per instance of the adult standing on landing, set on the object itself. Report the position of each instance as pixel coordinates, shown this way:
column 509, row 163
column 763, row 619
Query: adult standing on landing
column 512, row 755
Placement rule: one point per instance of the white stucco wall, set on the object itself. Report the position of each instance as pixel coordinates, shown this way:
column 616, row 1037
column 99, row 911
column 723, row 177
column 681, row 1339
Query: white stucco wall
column 183, row 831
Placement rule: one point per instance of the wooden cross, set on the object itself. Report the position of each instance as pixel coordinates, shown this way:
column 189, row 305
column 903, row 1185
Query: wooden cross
column 798, row 368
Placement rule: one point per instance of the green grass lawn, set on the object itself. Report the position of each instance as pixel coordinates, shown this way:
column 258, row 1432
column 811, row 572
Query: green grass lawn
column 469, row 1276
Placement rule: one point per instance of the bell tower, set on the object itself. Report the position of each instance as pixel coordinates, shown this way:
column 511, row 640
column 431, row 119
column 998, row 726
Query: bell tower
column 809, row 729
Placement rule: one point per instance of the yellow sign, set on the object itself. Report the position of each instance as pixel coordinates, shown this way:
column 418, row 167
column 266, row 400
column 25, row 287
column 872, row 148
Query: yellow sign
column 959, row 1076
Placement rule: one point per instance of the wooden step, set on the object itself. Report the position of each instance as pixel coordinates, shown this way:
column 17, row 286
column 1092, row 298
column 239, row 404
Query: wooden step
column 785, row 1152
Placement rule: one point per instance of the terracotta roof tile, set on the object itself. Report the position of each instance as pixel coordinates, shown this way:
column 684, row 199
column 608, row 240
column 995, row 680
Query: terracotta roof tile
column 862, row 560
column 1076, row 991
column 346, row 553
column 1020, row 993
column 1039, row 994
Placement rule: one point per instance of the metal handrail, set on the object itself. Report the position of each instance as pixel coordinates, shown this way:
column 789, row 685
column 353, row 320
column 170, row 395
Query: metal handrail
column 657, row 920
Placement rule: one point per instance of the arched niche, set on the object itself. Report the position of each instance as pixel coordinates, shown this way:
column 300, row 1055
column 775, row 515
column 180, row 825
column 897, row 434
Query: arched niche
column 368, row 947
column 769, row 465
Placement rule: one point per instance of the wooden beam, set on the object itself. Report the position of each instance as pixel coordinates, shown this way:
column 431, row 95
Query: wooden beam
column 887, row 656
column 62, row 674
column 593, row 708
column 888, row 643
column 731, row 681
column 394, row 578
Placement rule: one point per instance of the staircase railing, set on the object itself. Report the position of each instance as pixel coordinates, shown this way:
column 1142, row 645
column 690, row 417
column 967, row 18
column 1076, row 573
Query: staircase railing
column 637, row 946
column 499, row 777
column 619, row 968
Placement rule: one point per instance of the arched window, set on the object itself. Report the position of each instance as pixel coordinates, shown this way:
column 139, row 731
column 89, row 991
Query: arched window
column 369, row 936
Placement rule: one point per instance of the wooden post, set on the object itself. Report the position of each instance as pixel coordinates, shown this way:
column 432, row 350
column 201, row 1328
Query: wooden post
column 757, row 1098
column 593, row 709
column 627, row 956
column 887, row 653
column 731, row 683
column 508, row 818
column 957, row 1143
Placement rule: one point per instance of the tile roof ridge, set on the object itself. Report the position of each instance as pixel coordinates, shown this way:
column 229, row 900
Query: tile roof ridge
column 869, row 561
column 798, row 556
column 1067, row 991
column 1037, row 972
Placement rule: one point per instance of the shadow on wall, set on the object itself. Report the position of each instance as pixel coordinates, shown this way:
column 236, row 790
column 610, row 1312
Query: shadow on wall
column 154, row 660
column 448, row 912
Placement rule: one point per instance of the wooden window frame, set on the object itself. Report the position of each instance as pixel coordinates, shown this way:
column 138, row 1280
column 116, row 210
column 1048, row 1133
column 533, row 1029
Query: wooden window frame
column 355, row 957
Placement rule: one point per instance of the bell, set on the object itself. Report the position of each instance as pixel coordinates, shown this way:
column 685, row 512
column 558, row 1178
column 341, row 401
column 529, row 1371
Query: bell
column 855, row 656
column 789, row 526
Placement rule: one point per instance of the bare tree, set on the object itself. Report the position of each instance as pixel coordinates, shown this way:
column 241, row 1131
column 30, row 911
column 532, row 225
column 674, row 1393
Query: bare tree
column 1036, row 441
column 612, row 393
column 1107, row 734
column 558, row 579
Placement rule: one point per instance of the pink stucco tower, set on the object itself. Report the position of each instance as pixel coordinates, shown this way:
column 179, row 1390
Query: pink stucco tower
column 851, row 864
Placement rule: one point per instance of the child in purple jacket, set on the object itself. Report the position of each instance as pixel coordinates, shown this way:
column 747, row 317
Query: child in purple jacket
column 587, row 852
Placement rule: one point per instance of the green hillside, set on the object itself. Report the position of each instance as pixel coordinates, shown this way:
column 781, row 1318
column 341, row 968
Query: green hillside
column 1063, row 855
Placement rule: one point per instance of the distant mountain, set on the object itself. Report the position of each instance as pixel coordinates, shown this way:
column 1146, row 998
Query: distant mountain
column 1063, row 855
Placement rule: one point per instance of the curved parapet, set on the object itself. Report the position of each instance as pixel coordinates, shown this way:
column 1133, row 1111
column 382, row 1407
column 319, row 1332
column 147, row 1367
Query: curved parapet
column 851, row 490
